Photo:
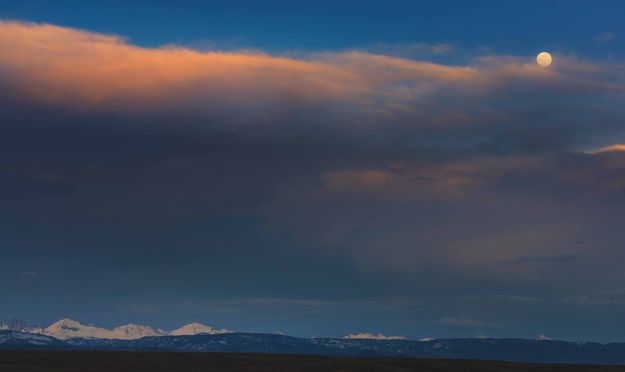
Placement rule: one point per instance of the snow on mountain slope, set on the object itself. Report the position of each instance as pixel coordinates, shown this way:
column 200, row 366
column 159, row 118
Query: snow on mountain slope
column 133, row 331
column 66, row 328
column 371, row 336
column 197, row 328
column 18, row 326
column 16, row 338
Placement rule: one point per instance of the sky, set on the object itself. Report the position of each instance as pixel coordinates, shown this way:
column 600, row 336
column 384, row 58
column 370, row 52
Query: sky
column 317, row 168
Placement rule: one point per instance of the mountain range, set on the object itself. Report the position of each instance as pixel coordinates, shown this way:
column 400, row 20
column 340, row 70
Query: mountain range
column 513, row 350
column 65, row 329
column 196, row 337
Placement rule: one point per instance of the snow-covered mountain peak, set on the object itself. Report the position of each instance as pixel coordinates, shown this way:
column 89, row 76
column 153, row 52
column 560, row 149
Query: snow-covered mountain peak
column 65, row 329
column 68, row 328
column 197, row 328
column 67, row 324
column 134, row 331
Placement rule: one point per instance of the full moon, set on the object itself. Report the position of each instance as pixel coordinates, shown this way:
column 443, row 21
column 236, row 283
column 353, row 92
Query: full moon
column 544, row 59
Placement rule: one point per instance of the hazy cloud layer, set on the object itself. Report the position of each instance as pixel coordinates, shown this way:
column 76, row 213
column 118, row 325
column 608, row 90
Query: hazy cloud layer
column 344, row 177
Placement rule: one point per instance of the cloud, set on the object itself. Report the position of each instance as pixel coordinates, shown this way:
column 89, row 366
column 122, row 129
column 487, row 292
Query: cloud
column 456, row 178
column 605, row 37
column 372, row 336
column 417, row 180
column 505, row 297
column 517, row 298
column 427, row 181
column 433, row 214
column 277, row 305
column 388, row 172
column 84, row 71
column 611, row 148
column 603, row 297
column 411, row 50
column 559, row 258
column 87, row 71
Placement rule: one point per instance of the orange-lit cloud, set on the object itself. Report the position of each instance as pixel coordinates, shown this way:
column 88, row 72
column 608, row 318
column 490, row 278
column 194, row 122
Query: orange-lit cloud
column 85, row 70
column 612, row 148
column 81, row 70
column 451, row 180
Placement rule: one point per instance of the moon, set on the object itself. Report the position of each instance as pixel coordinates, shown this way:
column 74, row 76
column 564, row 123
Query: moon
column 544, row 59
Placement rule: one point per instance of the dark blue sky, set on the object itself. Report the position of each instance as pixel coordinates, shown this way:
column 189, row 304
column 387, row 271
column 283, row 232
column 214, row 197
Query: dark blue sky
column 510, row 27
column 315, row 167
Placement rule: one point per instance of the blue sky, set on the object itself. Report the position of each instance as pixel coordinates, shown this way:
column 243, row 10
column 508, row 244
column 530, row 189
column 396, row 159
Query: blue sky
column 315, row 168
column 509, row 27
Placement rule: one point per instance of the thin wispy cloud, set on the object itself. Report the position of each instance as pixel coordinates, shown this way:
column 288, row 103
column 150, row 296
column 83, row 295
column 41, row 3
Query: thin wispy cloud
column 606, row 297
column 504, row 297
column 605, row 37
column 608, row 149
column 561, row 258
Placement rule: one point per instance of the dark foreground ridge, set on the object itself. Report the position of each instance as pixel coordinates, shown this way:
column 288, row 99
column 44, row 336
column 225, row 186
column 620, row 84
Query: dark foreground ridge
column 118, row 361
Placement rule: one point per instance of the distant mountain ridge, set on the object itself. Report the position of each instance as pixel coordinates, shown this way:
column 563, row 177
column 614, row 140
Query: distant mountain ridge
column 66, row 329
column 513, row 350
column 196, row 337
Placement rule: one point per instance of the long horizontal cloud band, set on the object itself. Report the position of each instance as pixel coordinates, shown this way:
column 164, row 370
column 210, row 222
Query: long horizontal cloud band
column 80, row 70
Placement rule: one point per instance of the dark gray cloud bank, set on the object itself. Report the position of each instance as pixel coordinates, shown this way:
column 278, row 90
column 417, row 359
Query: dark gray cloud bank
column 325, row 194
